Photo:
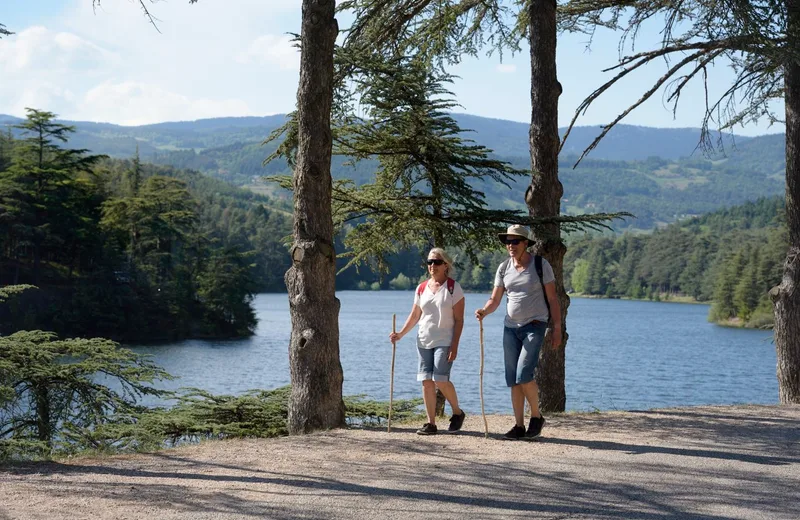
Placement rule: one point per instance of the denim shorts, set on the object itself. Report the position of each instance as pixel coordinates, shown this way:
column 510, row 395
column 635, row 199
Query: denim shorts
column 521, row 346
column 433, row 364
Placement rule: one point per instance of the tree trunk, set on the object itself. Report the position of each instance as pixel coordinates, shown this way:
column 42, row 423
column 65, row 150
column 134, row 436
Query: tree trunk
column 786, row 296
column 544, row 194
column 42, row 412
column 316, row 372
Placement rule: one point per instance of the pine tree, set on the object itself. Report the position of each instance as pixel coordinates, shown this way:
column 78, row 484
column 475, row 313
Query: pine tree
column 426, row 191
column 57, row 391
column 46, row 192
column 747, row 292
column 724, row 307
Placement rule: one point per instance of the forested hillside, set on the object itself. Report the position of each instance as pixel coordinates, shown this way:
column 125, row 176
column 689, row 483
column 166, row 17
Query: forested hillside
column 126, row 250
column 506, row 138
column 659, row 175
column 98, row 256
column 732, row 257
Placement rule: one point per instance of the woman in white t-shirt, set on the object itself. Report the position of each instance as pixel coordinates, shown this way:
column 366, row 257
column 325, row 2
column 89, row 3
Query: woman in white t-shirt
column 439, row 310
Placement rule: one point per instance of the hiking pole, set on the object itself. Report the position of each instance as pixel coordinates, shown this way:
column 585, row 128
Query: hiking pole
column 483, row 413
column 391, row 381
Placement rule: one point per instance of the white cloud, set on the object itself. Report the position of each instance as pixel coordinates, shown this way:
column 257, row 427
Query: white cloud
column 43, row 96
column 210, row 59
column 45, row 69
column 40, row 49
column 272, row 50
column 506, row 68
column 135, row 103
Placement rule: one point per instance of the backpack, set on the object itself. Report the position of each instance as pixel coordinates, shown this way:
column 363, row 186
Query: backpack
column 451, row 286
column 537, row 262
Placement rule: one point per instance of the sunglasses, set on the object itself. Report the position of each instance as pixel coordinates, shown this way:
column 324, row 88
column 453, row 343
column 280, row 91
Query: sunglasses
column 435, row 261
column 513, row 241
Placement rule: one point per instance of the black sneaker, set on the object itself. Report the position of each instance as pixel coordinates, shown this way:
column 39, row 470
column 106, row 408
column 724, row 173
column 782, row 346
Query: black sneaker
column 517, row 432
column 427, row 429
column 456, row 421
column 535, row 426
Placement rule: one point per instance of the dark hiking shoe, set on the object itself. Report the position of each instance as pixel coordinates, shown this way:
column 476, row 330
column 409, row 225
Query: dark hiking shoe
column 427, row 429
column 535, row 426
column 517, row 432
column 456, row 421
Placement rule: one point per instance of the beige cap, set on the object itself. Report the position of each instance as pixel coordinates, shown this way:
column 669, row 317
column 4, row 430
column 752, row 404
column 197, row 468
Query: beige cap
column 518, row 230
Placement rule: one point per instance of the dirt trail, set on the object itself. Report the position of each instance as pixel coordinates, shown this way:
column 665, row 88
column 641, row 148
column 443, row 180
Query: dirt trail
column 706, row 462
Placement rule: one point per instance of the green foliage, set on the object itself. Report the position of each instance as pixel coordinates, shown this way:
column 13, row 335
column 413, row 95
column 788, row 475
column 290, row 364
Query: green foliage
column 126, row 250
column 426, row 188
column 361, row 411
column 733, row 257
column 225, row 288
column 199, row 415
column 580, row 276
column 46, row 196
column 62, row 386
column 618, row 175
column 10, row 291
column 420, row 196
column 438, row 31
column 401, row 283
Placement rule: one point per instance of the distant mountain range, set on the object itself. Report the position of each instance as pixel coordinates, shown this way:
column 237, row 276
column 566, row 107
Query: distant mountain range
column 658, row 174
column 506, row 138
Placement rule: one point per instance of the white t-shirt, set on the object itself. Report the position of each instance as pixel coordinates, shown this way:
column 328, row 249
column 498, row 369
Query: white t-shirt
column 437, row 322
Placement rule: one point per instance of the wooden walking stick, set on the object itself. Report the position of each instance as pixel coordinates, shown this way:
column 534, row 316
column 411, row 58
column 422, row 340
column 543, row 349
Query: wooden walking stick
column 391, row 381
column 483, row 413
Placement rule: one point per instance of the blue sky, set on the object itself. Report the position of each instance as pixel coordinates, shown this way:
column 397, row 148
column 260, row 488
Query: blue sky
column 218, row 58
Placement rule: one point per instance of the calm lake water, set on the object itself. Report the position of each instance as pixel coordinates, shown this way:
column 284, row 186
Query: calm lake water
column 621, row 355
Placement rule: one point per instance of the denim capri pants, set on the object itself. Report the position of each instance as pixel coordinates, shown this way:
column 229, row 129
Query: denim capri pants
column 521, row 346
column 433, row 364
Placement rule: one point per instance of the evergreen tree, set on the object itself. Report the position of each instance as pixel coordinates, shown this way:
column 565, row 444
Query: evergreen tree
column 747, row 291
column 316, row 372
column 57, row 389
column 6, row 148
column 46, row 193
column 426, row 189
column 225, row 287
column 580, row 276
column 724, row 307
column 596, row 282
column 691, row 278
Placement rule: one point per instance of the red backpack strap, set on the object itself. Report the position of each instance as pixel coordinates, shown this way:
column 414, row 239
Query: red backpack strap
column 421, row 287
column 451, row 286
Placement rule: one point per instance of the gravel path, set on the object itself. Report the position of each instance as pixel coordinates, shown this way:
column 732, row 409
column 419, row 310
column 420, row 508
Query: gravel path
column 706, row 462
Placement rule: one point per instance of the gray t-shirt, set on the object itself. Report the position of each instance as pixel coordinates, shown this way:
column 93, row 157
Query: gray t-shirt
column 525, row 294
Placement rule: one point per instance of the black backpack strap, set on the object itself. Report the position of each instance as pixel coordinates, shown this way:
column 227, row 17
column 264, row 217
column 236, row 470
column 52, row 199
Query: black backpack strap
column 503, row 267
column 537, row 261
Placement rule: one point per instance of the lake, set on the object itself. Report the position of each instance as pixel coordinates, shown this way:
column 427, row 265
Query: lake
column 621, row 355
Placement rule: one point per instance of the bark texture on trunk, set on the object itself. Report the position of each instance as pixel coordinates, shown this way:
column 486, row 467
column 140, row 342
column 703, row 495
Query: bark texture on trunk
column 544, row 194
column 316, row 372
column 786, row 296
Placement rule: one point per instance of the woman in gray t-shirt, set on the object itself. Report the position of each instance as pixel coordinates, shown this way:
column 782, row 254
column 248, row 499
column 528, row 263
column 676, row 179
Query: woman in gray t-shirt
column 531, row 303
